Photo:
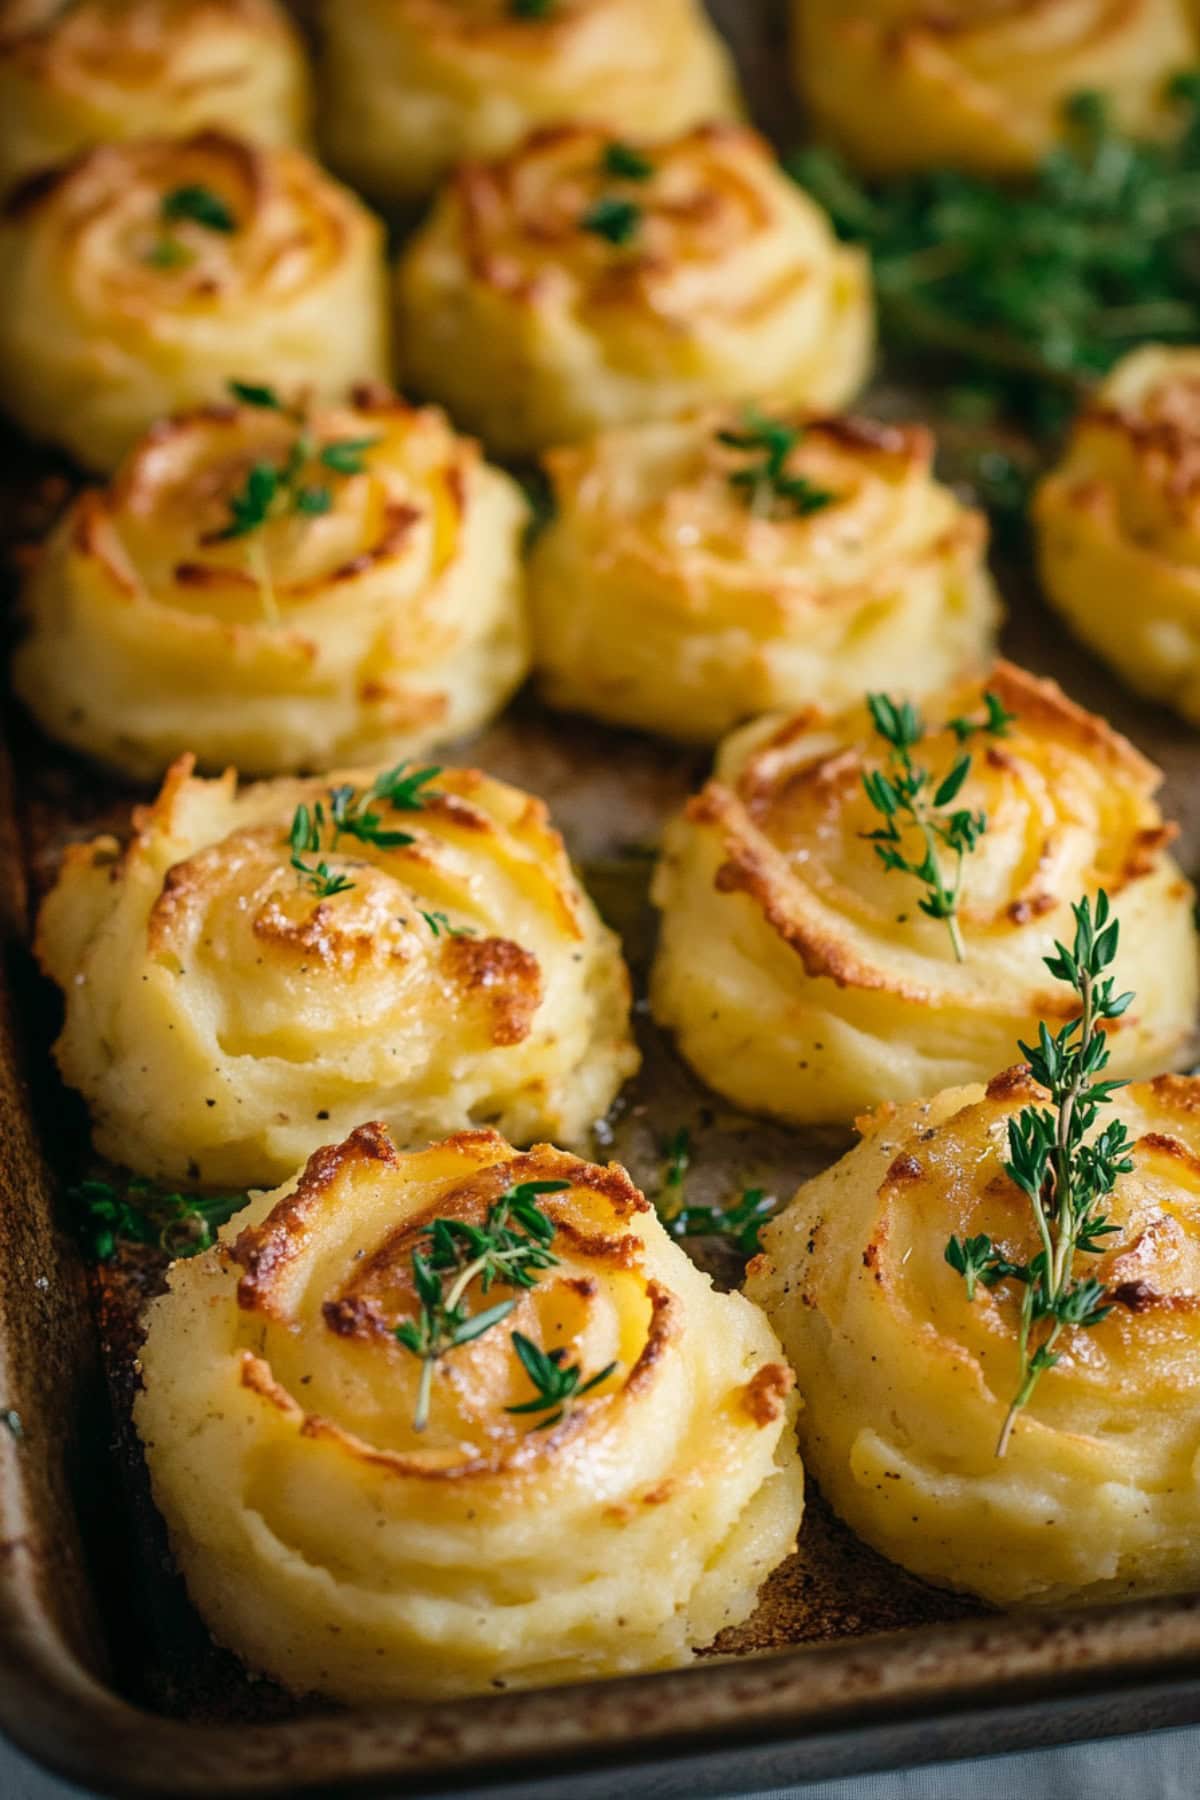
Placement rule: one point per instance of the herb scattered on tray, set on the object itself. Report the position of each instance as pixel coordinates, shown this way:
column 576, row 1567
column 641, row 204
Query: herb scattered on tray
column 140, row 1213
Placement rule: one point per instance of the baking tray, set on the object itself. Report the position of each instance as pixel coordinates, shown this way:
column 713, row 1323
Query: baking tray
column 107, row 1674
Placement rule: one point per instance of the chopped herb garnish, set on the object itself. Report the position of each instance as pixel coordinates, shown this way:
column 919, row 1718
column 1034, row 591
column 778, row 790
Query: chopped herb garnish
column 558, row 1387
column 168, row 253
column 350, row 813
column 908, row 798
column 738, row 1224
column 617, row 220
column 181, row 1224
column 625, row 163
column 1065, row 1172
column 345, row 455
column 995, row 722
column 252, row 393
column 766, row 481
column 198, row 205
column 512, row 1247
column 438, row 922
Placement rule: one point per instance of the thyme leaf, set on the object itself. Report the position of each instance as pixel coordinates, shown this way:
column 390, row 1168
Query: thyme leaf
column 558, row 1386
column 766, row 481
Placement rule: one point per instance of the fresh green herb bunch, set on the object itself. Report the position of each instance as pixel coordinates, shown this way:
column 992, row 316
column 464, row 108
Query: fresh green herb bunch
column 1038, row 288
column 511, row 1247
column 907, row 797
column 181, row 1224
column 350, row 813
column 766, row 482
column 558, row 1387
column 1066, row 1169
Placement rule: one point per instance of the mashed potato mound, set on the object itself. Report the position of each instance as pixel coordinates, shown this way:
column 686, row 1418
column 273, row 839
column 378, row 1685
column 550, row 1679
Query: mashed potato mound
column 120, row 305
column 99, row 70
column 982, row 87
column 391, row 620
column 550, row 294
column 413, row 87
column 670, row 593
column 1118, row 526
column 800, row 977
column 227, row 1012
column 340, row 1550
column 906, row 1382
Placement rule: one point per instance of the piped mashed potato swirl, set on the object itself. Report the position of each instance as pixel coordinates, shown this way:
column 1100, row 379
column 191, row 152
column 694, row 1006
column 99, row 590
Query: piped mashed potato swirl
column 667, row 594
column 413, row 87
column 226, row 1014
column 547, row 297
column 391, row 620
column 983, row 87
column 119, row 306
column 101, row 70
column 1118, row 521
column 335, row 1547
column 798, row 974
column 906, row 1382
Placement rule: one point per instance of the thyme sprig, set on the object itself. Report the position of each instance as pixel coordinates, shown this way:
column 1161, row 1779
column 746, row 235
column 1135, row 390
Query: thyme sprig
column 766, row 482
column 351, row 812
column 908, row 798
column 738, row 1224
column 439, row 921
column 180, row 1224
column 677, row 1151
column 512, row 1247
column 273, row 490
column 1065, row 1171
column 558, row 1386
column 1035, row 290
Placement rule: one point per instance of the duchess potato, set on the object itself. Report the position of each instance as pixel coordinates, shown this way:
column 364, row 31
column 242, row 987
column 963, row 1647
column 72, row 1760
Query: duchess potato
column 1119, row 521
column 982, row 87
column 677, row 591
column 332, row 1544
column 259, row 970
column 412, row 87
column 137, row 279
column 582, row 282
column 801, row 977
column 391, row 619
column 99, row 70
column 906, row 1381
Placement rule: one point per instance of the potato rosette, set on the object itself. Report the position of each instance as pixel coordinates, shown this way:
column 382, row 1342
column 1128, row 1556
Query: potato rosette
column 801, row 977
column 136, row 280
column 582, row 282
column 391, row 618
column 261, row 968
column 1119, row 519
column 333, row 1545
column 682, row 588
column 984, row 88
column 101, row 70
column 413, row 87
column 906, row 1381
